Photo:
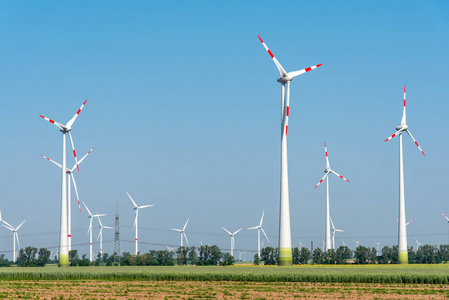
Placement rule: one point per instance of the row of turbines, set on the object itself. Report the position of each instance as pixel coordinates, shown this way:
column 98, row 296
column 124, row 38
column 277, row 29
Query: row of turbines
column 285, row 249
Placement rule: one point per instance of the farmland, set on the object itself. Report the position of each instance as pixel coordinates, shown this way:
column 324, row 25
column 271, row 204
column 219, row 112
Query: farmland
column 234, row 282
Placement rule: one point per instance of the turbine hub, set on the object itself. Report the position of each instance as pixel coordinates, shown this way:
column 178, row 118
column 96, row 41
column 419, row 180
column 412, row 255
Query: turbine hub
column 402, row 127
column 285, row 79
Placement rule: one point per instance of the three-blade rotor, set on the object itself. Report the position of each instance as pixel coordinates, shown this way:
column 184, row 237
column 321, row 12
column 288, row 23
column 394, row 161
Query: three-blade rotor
column 403, row 127
column 328, row 169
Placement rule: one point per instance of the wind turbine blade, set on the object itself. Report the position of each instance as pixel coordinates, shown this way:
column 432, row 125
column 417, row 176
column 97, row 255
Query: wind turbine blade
column 300, row 72
column 393, row 135
column 255, row 227
column 90, row 226
column 416, row 143
column 10, row 228
column 339, row 175
column 237, row 231
column 76, row 190
column 178, row 230
column 261, row 219
column 59, row 165
column 74, row 152
column 185, row 236
column 441, row 213
column 282, row 71
column 60, row 126
column 327, row 158
column 144, row 206
column 99, row 221
column 322, row 179
column 70, row 123
column 20, row 225
column 184, row 228
column 101, row 230
column 88, row 211
column 226, row 230
column 108, row 227
column 17, row 238
column 332, row 223
column 98, row 215
column 403, row 121
column 265, row 234
column 79, row 162
column 339, row 230
column 409, row 222
column 131, row 199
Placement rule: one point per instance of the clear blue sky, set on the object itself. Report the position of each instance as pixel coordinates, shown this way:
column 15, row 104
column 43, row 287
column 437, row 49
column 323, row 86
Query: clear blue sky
column 184, row 111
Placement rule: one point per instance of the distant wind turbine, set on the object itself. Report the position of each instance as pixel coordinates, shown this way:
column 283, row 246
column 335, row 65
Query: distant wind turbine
column 259, row 228
column 136, row 208
column 183, row 234
column 333, row 233
column 91, row 217
column 327, row 171
column 100, row 234
column 232, row 239
column 15, row 237
column 417, row 244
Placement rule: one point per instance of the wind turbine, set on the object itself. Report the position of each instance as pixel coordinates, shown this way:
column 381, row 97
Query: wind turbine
column 136, row 208
column 69, row 210
column 100, row 235
column 333, row 233
column 300, row 244
column 63, row 240
column 3, row 221
column 170, row 249
column 327, row 171
column 15, row 237
column 447, row 219
column 402, row 232
column 377, row 247
column 356, row 243
column 285, row 243
column 232, row 239
column 183, row 233
column 343, row 241
column 91, row 217
column 259, row 228
column 322, row 244
column 417, row 244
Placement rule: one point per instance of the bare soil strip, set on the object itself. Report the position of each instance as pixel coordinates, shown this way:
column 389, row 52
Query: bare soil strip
column 91, row 289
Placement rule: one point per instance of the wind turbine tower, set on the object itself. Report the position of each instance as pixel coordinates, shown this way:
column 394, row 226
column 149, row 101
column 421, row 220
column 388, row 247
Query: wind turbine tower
column 402, row 230
column 285, row 238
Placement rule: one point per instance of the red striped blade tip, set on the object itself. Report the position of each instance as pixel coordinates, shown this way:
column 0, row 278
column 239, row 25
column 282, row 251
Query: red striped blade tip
column 319, row 65
column 260, row 38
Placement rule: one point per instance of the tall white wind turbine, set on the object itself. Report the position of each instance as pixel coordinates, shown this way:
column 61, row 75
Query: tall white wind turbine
column 136, row 208
column 183, row 233
column 333, row 233
column 232, row 239
column 91, row 217
column 63, row 242
column 259, row 228
column 70, row 178
column 402, row 231
column 14, row 239
column 327, row 171
column 285, row 243
column 100, row 235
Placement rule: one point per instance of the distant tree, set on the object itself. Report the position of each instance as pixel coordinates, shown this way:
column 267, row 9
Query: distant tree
column 443, row 253
column 193, row 256
column 228, row 259
column 4, row 262
column 43, row 257
column 329, row 257
column 268, row 255
column 318, row 256
column 84, row 262
column 361, row 255
column 73, row 257
column 256, row 259
column 342, row 254
column 182, row 255
column 304, row 256
column 426, row 254
column 295, row 256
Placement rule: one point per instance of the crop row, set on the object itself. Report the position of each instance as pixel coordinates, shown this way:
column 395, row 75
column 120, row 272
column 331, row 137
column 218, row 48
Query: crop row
column 244, row 274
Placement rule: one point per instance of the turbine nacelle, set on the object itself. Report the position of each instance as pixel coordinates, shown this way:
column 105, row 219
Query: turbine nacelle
column 402, row 127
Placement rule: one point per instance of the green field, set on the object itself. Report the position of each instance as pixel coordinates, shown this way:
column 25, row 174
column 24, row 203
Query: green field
column 428, row 274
